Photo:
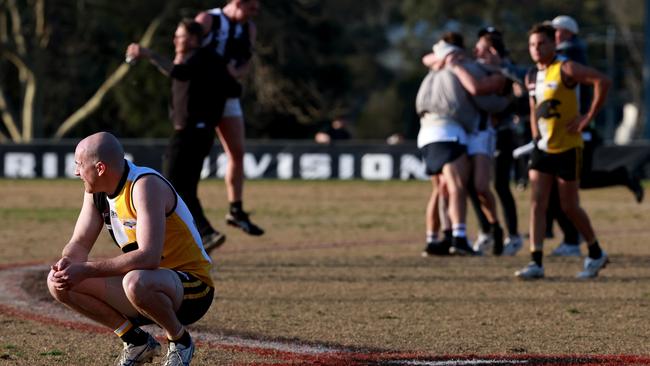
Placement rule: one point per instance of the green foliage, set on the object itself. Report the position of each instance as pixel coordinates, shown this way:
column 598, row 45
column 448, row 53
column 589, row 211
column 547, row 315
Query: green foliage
column 314, row 60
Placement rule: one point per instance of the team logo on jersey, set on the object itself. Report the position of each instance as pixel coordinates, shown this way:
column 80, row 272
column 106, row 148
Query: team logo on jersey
column 548, row 109
column 113, row 214
column 130, row 223
column 552, row 85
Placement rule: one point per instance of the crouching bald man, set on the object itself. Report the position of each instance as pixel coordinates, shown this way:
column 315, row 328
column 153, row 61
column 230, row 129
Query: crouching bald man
column 163, row 273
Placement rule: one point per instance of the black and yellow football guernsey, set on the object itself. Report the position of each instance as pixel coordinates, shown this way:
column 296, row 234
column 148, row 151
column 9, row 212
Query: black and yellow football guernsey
column 556, row 104
column 182, row 250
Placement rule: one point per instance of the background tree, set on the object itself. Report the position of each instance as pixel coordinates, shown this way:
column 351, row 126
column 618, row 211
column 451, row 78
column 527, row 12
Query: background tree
column 60, row 61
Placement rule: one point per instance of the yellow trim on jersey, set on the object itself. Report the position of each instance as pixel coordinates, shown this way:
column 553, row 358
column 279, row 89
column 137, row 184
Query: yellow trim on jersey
column 197, row 296
column 555, row 106
column 192, row 284
column 182, row 250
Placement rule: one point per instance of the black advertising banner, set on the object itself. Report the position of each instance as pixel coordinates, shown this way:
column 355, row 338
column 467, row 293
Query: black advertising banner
column 272, row 160
column 279, row 160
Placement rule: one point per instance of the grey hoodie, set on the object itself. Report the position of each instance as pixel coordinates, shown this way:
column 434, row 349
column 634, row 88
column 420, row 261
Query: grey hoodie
column 442, row 94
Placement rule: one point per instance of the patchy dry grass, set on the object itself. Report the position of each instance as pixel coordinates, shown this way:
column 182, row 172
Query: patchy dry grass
column 340, row 264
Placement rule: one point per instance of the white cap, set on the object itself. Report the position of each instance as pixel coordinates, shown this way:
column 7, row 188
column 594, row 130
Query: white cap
column 565, row 22
column 442, row 49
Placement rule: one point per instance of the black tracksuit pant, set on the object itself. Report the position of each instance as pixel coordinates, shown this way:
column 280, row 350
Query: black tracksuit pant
column 184, row 158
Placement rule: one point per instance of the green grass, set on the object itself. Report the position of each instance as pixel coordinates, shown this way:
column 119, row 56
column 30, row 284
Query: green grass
column 38, row 214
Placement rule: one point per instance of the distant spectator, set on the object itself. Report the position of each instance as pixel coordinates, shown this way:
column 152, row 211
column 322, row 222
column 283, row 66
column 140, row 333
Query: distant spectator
column 395, row 139
column 567, row 42
column 335, row 131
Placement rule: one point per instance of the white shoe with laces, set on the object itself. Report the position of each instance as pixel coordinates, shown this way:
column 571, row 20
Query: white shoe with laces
column 513, row 244
column 179, row 355
column 137, row 355
column 592, row 266
column 530, row 272
column 566, row 250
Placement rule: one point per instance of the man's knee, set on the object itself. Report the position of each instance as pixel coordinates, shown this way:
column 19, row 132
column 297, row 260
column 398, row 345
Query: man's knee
column 135, row 285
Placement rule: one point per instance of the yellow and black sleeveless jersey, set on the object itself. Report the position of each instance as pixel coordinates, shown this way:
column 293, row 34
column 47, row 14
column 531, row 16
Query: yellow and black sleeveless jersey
column 182, row 250
column 556, row 104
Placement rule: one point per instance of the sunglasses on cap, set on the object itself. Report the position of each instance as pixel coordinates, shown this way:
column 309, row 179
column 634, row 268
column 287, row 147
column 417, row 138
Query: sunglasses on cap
column 489, row 30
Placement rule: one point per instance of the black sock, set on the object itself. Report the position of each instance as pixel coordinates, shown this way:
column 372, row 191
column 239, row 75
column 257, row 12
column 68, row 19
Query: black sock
column 594, row 250
column 135, row 336
column 236, row 206
column 206, row 230
column 448, row 234
column 185, row 339
column 537, row 257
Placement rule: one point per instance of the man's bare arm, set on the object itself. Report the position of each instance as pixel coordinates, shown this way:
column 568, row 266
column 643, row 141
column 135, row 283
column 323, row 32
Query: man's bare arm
column 164, row 65
column 590, row 76
column 486, row 85
column 89, row 225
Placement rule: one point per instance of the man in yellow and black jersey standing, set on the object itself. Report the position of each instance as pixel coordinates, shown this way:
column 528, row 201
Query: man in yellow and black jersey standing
column 163, row 273
column 556, row 124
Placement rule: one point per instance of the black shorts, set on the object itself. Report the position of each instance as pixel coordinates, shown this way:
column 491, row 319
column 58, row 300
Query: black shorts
column 197, row 298
column 436, row 154
column 566, row 165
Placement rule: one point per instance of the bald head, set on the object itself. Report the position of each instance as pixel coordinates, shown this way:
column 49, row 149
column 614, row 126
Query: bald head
column 103, row 147
column 99, row 162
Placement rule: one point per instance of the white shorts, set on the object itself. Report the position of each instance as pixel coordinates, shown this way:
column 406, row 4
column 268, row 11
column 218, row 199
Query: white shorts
column 232, row 108
column 482, row 142
column 439, row 129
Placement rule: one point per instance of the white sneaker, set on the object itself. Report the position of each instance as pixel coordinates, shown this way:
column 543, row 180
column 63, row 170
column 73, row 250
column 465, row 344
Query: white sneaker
column 179, row 355
column 566, row 250
column 531, row 271
column 513, row 244
column 483, row 242
column 592, row 266
column 136, row 355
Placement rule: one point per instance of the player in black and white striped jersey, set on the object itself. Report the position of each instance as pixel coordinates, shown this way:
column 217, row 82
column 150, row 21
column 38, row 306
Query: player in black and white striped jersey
column 230, row 32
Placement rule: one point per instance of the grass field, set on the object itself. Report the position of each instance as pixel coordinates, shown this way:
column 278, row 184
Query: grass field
column 339, row 272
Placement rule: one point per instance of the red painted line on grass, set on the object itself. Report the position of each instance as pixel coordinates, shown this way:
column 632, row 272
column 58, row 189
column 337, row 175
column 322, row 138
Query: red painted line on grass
column 282, row 352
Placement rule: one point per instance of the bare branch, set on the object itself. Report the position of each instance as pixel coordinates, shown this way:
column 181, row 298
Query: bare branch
column 95, row 101
column 28, row 107
column 41, row 32
column 16, row 27
column 8, row 118
column 27, row 77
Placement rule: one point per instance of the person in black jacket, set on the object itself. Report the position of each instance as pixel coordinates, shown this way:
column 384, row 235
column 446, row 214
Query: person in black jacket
column 199, row 85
